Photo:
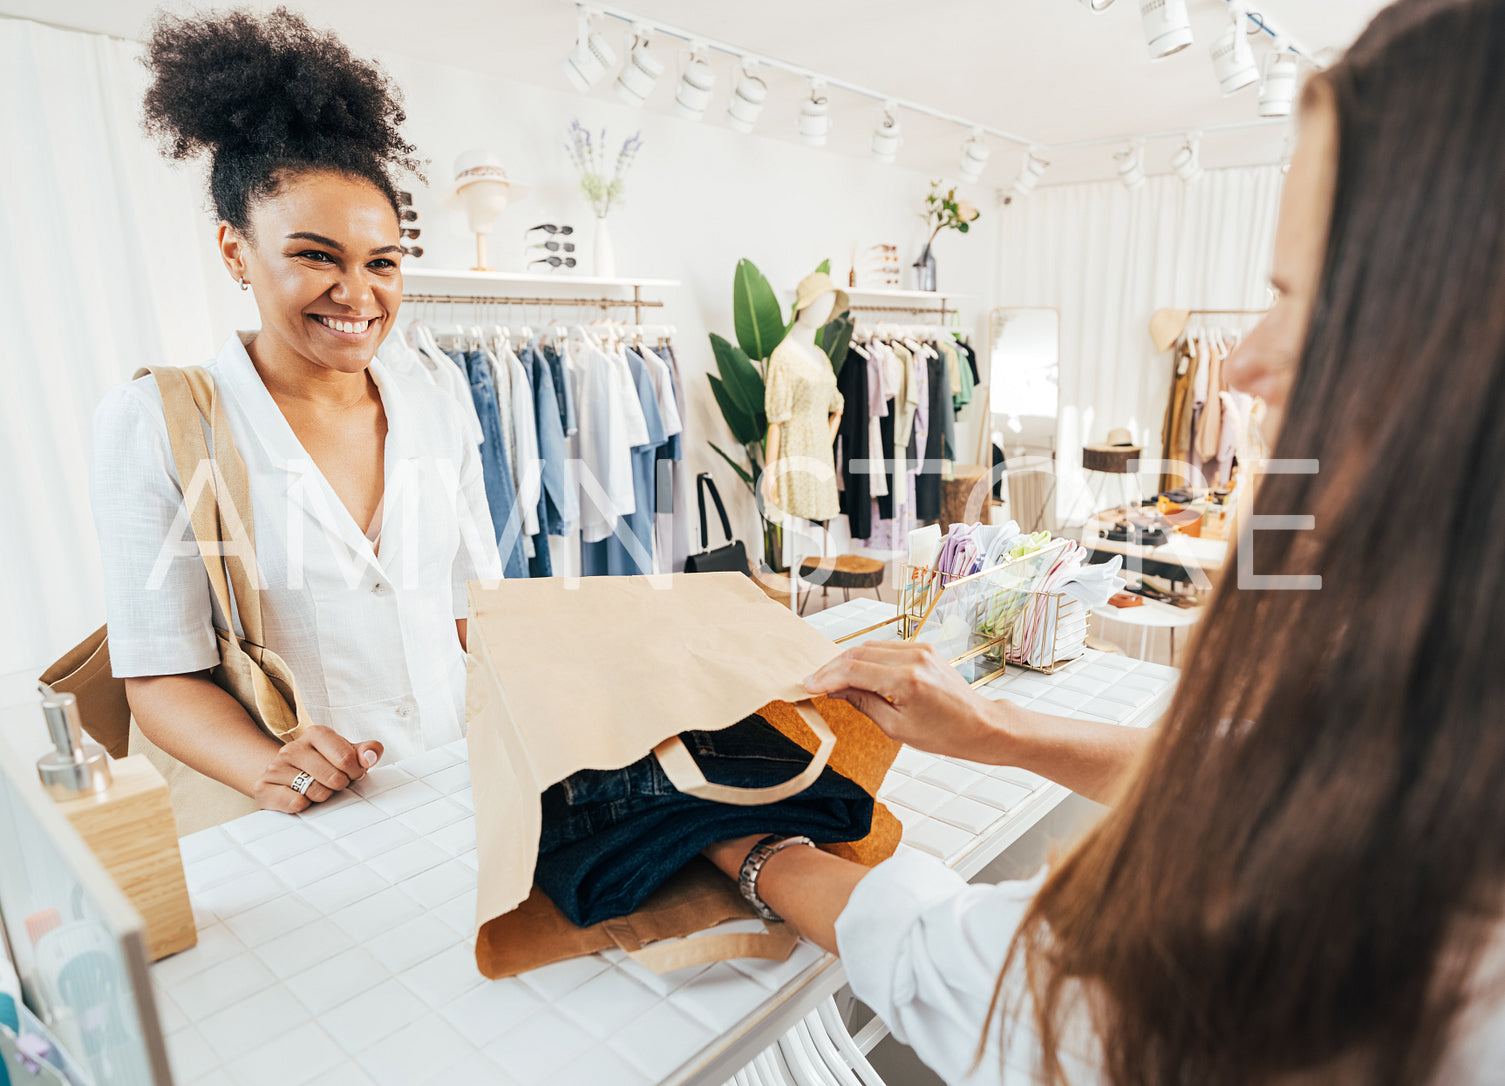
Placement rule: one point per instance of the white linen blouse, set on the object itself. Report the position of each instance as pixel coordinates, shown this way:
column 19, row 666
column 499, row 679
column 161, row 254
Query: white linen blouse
column 370, row 639
column 923, row 948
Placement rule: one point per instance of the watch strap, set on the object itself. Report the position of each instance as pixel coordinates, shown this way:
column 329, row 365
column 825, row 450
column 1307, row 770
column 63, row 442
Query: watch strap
column 752, row 867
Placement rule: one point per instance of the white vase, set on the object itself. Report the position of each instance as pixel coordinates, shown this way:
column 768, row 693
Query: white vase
column 605, row 265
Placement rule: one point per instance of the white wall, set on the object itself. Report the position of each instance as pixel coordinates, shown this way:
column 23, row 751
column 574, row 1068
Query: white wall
column 1107, row 258
column 699, row 198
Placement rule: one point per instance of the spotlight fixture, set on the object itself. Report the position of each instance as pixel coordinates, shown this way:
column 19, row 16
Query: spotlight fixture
column 815, row 115
column 748, row 94
column 1277, row 87
column 1097, row 5
column 975, row 155
column 589, row 60
column 1232, row 56
column 887, row 133
column 1167, row 27
column 636, row 79
column 1184, row 161
column 1131, row 166
column 1030, row 172
column 695, row 85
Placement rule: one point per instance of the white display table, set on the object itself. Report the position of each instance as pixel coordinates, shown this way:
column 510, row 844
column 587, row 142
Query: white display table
column 1148, row 616
column 335, row 946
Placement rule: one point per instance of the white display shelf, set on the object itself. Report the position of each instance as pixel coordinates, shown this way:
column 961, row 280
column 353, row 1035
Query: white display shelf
column 882, row 293
column 889, row 292
column 428, row 278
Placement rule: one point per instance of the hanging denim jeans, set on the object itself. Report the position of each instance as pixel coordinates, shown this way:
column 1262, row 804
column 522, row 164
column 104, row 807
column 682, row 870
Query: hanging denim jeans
column 612, row 837
column 506, row 519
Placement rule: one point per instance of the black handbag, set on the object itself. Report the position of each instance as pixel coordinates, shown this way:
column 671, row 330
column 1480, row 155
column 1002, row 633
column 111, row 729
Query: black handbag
column 727, row 559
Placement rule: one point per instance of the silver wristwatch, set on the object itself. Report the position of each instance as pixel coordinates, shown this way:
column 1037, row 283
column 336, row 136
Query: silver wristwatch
column 752, row 867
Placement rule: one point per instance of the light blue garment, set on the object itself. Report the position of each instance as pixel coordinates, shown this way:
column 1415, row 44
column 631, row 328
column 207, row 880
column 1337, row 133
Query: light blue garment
column 506, row 518
column 612, row 554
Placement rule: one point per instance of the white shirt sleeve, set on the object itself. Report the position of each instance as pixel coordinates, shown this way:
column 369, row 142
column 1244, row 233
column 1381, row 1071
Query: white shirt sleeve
column 157, row 598
column 924, row 949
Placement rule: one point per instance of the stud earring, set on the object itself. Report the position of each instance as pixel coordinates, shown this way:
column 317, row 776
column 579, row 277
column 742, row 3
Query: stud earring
column 243, row 284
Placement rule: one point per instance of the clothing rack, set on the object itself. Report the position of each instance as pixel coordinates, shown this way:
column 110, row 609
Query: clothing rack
column 1226, row 312
column 637, row 303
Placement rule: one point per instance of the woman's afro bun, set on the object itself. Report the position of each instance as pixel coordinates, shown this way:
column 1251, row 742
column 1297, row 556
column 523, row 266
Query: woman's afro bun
column 268, row 97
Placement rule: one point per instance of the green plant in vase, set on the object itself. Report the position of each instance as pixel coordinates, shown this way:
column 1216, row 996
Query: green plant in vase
column 943, row 211
column 738, row 383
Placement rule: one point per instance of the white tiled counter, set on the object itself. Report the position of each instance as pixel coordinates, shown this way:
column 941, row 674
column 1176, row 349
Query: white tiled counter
column 335, row 946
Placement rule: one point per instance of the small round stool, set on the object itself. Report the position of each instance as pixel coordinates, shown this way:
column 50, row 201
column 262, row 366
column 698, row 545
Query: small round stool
column 844, row 571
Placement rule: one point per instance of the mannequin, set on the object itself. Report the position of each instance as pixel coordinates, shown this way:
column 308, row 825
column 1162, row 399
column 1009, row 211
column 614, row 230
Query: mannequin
column 800, row 387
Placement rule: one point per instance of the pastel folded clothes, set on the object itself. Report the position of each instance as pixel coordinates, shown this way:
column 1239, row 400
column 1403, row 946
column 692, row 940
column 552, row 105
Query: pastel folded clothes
column 611, row 837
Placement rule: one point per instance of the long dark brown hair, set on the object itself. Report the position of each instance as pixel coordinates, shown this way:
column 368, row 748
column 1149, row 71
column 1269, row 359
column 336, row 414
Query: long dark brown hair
column 1297, row 882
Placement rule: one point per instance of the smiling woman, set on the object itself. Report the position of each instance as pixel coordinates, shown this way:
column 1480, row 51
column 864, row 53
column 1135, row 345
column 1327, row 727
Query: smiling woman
column 362, row 484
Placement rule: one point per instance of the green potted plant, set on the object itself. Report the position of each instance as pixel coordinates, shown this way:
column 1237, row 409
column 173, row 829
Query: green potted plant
column 759, row 324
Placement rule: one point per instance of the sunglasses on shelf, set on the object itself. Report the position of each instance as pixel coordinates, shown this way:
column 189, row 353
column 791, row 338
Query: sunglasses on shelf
column 407, row 214
column 405, row 199
column 411, row 231
column 555, row 261
column 412, row 250
column 550, row 228
column 554, row 246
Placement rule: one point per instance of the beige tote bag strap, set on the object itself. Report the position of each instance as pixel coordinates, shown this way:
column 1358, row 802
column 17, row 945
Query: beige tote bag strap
column 232, row 474
column 667, row 955
column 186, row 436
column 187, row 394
column 686, row 776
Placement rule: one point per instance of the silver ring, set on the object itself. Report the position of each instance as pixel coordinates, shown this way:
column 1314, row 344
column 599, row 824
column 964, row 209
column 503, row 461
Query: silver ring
column 301, row 782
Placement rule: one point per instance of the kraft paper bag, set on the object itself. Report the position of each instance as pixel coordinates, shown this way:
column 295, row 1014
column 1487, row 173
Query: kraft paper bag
column 565, row 675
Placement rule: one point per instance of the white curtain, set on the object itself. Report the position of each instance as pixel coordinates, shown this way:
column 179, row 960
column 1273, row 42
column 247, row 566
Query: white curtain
column 1107, row 258
column 102, row 271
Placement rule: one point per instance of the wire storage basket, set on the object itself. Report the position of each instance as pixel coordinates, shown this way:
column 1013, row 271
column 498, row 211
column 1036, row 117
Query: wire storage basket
column 1050, row 632
column 982, row 620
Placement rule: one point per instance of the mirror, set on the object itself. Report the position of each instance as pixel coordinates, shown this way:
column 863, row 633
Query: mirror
column 1024, row 346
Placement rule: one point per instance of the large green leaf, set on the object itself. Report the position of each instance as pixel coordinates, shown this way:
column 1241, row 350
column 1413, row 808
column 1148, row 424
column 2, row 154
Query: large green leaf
column 825, row 266
column 742, row 473
column 739, row 375
column 756, row 313
column 835, row 338
column 742, row 425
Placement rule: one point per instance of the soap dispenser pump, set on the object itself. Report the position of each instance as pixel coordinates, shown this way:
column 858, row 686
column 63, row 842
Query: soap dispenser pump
column 75, row 768
column 123, row 813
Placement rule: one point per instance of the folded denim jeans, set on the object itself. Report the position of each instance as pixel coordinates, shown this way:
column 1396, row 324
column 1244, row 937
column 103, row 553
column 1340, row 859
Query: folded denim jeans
column 612, row 837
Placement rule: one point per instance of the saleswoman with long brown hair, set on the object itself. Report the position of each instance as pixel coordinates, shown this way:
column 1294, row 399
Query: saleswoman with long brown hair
column 1302, row 877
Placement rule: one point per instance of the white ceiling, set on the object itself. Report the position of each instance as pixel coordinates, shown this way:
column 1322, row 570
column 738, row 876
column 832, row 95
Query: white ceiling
column 1048, row 70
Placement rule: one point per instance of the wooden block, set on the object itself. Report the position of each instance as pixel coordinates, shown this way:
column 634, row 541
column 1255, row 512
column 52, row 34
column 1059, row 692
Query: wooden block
column 965, row 496
column 133, row 833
